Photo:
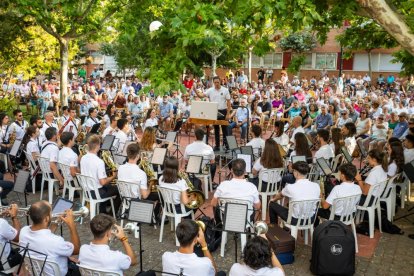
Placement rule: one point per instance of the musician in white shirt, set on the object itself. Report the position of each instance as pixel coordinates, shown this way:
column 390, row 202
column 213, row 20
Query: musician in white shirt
column 49, row 118
column 50, row 150
column 184, row 260
column 131, row 172
column 257, row 143
column 198, row 147
column 67, row 156
column 92, row 119
column 93, row 166
column 121, row 138
column 31, row 141
column 40, row 237
column 98, row 255
column 151, row 119
column 325, row 149
column 4, row 132
column 71, row 124
column 19, row 125
column 280, row 136
column 111, row 129
column 9, row 233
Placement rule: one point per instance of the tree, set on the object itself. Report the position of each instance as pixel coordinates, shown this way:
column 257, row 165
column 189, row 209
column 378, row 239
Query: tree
column 68, row 21
column 299, row 43
column 365, row 35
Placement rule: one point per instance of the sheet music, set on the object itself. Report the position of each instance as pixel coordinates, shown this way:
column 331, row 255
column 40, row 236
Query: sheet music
column 141, row 211
column 107, row 142
column 248, row 159
column 236, row 217
column 15, row 148
column 194, row 164
column 324, row 166
column 21, row 181
column 158, row 156
column 171, row 136
column 297, row 158
column 61, row 205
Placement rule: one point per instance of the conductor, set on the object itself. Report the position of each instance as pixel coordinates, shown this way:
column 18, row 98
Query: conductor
column 220, row 95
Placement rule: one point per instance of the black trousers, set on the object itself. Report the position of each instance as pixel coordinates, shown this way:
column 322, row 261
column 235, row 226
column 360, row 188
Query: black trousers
column 108, row 191
column 277, row 210
column 223, row 129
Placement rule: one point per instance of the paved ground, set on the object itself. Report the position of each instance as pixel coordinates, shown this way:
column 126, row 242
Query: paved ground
column 393, row 255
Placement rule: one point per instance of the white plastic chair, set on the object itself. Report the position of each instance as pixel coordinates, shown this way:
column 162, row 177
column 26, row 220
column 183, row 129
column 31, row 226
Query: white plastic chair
column 347, row 217
column 34, row 264
column 127, row 190
column 313, row 174
column 46, row 171
column 65, row 169
column 32, row 169
column 307, row 210
column 88, row 185
column 6, row 267
column 405, row 191
column 388, row 196
column 336, row 162
column 274, row 179
column 222, row 205
column 87, row 271
column 207, row 181
column 168, row 210
column 375, row 189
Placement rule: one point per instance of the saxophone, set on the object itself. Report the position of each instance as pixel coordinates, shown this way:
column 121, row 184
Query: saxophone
column 102, row 127
column 12, row 137
column 107, row 158
column 196, row 197
column 83, row 150
column 149, row 171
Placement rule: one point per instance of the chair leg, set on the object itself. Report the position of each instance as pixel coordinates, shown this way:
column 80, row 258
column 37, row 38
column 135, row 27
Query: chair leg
column 264, row 207
column 403, row 195
column 162, row 226
column 64, row 191
column 41, row 188
column 294, row 232
column 71, row 193
column 371, row 218
column 177, row 220
column 379, row 217
column 205, row 180
column 51, row 185
column 306, row 236
column 34, row 185
column 243, row 240
column 113, row 208
column 355, row 235
column 223, row 243
column 93, row 209
column 389, row 209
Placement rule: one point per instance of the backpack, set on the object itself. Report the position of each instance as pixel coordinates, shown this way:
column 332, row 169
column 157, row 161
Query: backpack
column 333, row 249
column 211, row 234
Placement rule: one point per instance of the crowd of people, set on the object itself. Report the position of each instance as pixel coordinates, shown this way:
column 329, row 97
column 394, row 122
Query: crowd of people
column 324, row 117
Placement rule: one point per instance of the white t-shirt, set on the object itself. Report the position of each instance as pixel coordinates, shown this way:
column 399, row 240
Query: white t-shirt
column 218, row 96
column 44, row 241
column 296, row 130
column 408, row 155
column 392, row 169
column 50, row 150
column 108, row 131
column 20, row 129
column 7, row 233
column 199, row 148
column 238, row 189
column 33, row 146
column 283, row 140
column 180, row 186
column 90, row 122
column 151, row 122
column 46, row 126
column 71, row 127
column 132, row 173
column 259, row 167
column 377, row 175
column 244, row 270
column 256, row 144
column 326, row 152
column 302, row 189
column 91, row 165
column 100, row 256
column 343, row 190
column 191, row 264
column 69, row 158
column 350, row 144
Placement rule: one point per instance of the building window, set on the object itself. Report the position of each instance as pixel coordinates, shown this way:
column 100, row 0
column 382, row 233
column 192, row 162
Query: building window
column 272, row 60
column 308, row 61
column 256, row 62
column 325, row 60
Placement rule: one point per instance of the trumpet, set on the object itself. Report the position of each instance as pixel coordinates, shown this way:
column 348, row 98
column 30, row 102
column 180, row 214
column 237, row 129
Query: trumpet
column 83, row 212
column 260, row 227
column 21, row 212
column 128, row 229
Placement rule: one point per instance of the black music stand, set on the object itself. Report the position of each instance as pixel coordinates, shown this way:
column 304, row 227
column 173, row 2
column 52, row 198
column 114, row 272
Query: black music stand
column 14, row 152
column 140, row 211
column 194, row 166
column 235, row 220
column 20, row 183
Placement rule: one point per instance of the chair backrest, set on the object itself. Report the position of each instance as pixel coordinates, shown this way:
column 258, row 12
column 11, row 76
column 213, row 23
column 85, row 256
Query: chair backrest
column 376, row 189
column 222, row 205
column 128, row 189
column 34, row 265
column 313, row 173
column 87, row 271
column 347, row 206
column 44, row 165
column 87, row 184
column 167, row 199
column 304, row 211
column 389, row 187
column 274, row 177
column 32, row 163
column 65, row 169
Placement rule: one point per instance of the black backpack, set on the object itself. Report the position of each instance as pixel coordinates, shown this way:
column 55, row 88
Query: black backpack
column 333, row 249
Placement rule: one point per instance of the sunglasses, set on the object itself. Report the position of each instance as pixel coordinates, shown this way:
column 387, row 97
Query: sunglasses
column 380, row 118
column 363, row 113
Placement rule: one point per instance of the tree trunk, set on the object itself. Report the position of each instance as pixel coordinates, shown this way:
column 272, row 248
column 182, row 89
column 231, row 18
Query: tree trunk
column 369, row 64
column 250, row 63
column 64, row 65
column 391, row 21
column 213, row 65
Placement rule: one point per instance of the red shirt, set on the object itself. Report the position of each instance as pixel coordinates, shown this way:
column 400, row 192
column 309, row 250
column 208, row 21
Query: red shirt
column 188, row 83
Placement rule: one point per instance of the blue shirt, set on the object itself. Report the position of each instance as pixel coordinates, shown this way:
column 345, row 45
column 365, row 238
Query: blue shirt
column 400, row 129
column 165, row 109
column 323, row 121
column 241, row 114
column 293, row 112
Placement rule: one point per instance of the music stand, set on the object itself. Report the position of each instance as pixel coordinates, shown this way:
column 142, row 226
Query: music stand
column 19, row 187
column 326, row 169
column 14, row 152
column 108, row 142
column 194, row 164
column 362, row 150
column 346, row 154
column 298, row 158
column 408, row 170
column 248, row 159
column 26, row 251
column 246, row 150
column 235, row 220
column 140, row 211
column 158, row 156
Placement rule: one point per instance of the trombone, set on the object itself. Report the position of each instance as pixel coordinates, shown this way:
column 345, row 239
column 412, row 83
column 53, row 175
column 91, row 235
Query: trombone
column 21, row 211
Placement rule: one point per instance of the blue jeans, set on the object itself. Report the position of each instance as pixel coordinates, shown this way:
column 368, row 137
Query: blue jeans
column 243, row 129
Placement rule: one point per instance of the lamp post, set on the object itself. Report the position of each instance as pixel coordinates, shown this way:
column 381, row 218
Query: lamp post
column 345, row 25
